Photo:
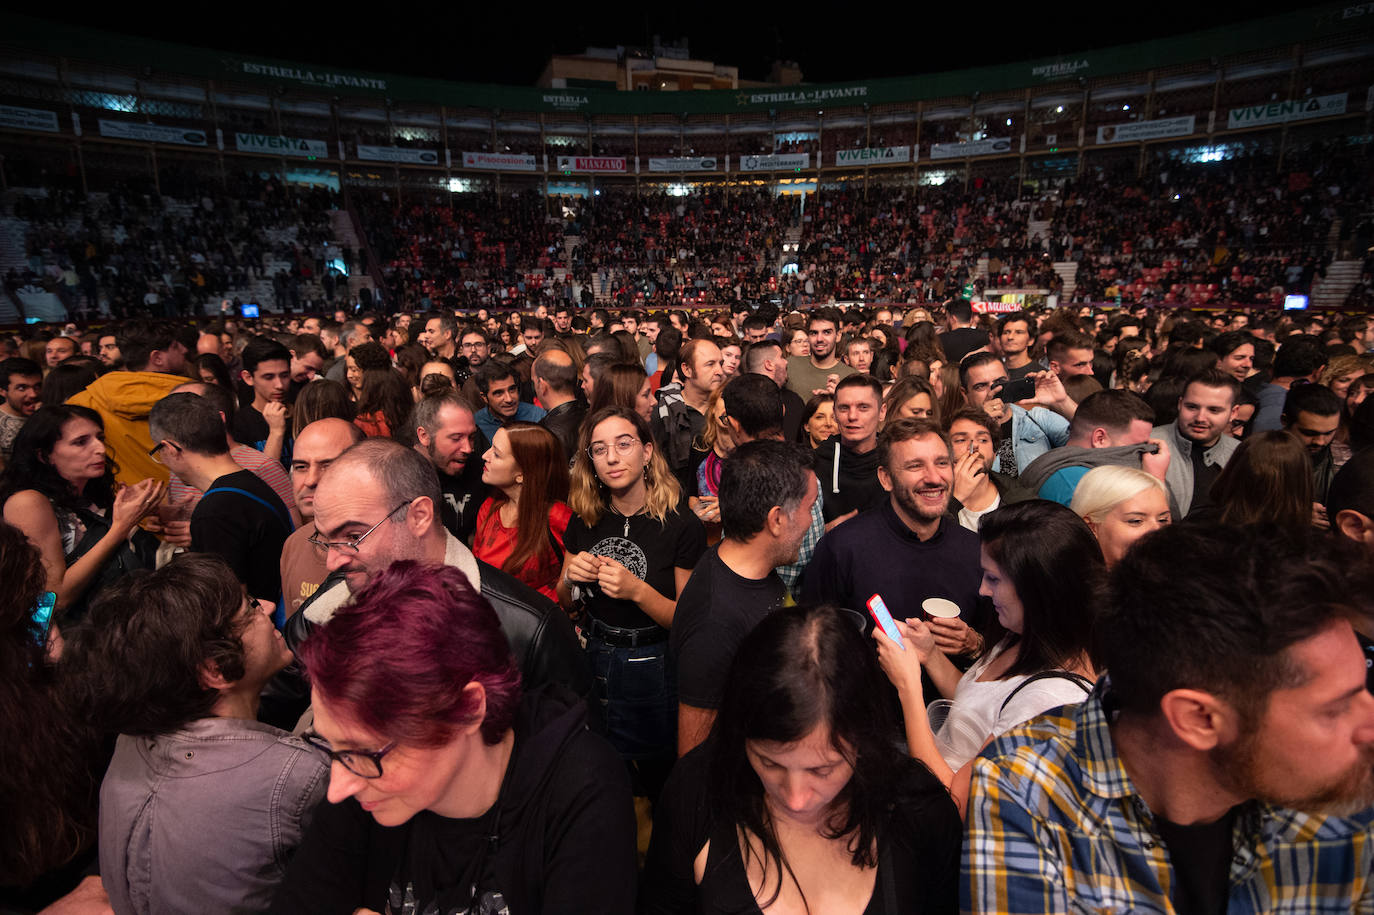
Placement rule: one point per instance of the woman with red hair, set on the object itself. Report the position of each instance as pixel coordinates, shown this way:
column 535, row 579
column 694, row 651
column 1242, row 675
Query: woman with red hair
column 449, row 790
column 520, row 527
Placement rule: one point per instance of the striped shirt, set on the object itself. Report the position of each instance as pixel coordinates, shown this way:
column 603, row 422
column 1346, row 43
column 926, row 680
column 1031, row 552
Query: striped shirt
column 1056, row 826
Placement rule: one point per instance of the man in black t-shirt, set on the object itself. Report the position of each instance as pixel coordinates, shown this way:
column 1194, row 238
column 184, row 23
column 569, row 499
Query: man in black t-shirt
column 961, row 338
column 767, row 489
column 240, row 518
column 445, row 432
column 265, row 423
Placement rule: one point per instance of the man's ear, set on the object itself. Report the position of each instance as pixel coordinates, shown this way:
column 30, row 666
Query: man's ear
column 885, row 478
column 420, row 516
column 246, row 377
column 776, row 522
column 1100, row 438
column 1200, row 719
column 1355, row 525
column 210, row 676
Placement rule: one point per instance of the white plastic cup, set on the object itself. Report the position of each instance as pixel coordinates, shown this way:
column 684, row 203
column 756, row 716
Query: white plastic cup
column 937, row 712
column 939, row 607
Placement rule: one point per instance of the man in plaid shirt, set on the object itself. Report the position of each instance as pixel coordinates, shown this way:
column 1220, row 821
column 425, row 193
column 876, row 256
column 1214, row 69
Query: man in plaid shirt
column 1224, row 764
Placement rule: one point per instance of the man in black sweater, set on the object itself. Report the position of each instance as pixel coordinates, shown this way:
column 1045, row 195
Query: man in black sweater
column 908, row 548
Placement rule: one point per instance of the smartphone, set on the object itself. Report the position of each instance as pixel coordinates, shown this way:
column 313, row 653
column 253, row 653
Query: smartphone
column 42, row 615
column 883, row 618
column 1018, row 390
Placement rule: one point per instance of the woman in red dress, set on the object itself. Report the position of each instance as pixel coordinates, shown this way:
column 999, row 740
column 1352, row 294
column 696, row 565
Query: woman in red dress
column 520, row 528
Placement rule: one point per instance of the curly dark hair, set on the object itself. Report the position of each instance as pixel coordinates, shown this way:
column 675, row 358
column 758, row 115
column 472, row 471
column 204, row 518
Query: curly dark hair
column 30, row 468
column 48, row 786
column 136, row 665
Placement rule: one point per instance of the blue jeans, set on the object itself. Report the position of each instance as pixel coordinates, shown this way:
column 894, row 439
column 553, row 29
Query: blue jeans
column 639, row 695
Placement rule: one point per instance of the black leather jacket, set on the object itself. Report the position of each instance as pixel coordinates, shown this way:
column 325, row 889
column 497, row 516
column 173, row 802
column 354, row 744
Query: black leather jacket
column 565, row 422
column 541, row 637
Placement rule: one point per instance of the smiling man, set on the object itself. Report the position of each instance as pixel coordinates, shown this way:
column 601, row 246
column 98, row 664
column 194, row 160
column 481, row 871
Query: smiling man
column 808, row 374
column 1226, row 762
column 923, row 551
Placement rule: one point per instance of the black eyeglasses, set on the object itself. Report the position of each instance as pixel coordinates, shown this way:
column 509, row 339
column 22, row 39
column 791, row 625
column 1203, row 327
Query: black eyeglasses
column 362, row 763
column 153, row 451
column 351, row 546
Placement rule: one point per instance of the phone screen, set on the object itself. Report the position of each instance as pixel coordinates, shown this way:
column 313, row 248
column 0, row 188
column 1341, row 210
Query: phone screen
column 42, row 615
column 883, row 617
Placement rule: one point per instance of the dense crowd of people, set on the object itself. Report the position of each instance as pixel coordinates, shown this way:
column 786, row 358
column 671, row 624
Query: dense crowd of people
column 745, row 609
column 1237, row 232
column 131, row 251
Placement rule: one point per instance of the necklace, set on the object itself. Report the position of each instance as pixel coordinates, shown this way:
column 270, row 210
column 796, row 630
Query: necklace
column 626, row 531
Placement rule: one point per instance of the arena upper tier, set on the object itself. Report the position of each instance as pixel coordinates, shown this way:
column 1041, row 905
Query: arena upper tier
column 103, row 106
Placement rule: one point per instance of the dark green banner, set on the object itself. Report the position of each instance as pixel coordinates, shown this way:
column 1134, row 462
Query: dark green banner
column 22, row 32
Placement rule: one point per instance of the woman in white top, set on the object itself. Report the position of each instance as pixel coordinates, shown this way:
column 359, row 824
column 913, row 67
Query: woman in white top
column 1041, row 565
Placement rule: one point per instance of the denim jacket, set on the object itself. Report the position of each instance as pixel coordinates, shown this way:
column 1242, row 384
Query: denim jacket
column 1034, row 432
column 205, row 819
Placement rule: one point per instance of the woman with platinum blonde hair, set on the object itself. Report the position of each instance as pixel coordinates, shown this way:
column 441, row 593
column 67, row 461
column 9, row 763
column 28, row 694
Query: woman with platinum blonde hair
column 1121, row 505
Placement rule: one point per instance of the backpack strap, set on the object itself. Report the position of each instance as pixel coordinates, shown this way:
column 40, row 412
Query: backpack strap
column 286, row 520
column 1082, row 681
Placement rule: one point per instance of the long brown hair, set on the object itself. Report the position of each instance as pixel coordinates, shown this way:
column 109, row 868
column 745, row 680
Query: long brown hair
column 618, row 387
column 539, row 455
column 1268, row 479
column 385, row 393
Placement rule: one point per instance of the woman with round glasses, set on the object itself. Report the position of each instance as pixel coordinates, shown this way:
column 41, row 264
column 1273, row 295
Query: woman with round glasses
column 467, row 798
column 632, row 543
column 174, row 662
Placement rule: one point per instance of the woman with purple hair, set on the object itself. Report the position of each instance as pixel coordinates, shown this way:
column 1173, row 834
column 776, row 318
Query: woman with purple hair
column 449, row 790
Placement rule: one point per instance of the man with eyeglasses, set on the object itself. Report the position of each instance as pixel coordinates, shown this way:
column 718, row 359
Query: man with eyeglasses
column 475, row 346
column 378, row 503
column 240, row 518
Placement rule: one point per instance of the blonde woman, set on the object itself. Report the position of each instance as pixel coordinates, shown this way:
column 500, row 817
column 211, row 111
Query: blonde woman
column 631, row 545
column 1121, row 505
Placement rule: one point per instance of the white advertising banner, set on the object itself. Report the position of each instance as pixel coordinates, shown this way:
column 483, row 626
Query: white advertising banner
column 591, row 163
column 28, row 118
column 775, row 163
column 873, row 155
column 1135, row 131
column 501, row 162
column 152, row 133
column 398, row 155
column 1281, row 112
column 990, row 147
column 278, row 145
column 683, row 164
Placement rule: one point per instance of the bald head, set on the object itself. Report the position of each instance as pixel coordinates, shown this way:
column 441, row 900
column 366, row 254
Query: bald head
column 319, row 445
column 555, row 368
column 384, row 487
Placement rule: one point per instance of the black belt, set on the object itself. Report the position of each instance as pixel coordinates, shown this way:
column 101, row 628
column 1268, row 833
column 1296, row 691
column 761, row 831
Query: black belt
column 625, row 638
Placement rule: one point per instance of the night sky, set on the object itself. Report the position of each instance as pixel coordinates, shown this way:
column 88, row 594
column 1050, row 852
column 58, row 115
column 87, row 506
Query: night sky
column 509, row 43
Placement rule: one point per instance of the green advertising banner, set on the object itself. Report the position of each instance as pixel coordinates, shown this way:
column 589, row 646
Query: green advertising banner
column 18, row 32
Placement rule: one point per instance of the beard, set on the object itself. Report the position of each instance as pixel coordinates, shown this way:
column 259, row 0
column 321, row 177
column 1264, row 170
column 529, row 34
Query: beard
column 914, row 507
column 1238, row 769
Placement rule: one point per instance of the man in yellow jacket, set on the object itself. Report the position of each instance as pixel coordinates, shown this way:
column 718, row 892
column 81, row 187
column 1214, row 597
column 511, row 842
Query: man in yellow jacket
column 155, row 363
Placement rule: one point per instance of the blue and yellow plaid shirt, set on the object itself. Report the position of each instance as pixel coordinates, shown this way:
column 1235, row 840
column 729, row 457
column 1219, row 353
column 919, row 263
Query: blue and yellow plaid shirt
column 1055, row 825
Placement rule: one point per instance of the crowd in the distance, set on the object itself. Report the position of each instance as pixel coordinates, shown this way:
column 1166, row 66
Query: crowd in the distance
column 886, row 609
column 133, row 251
